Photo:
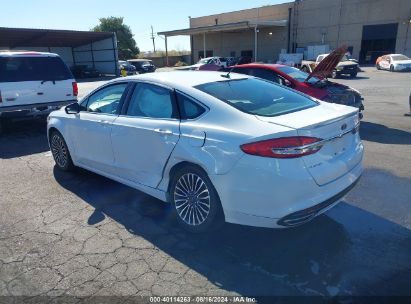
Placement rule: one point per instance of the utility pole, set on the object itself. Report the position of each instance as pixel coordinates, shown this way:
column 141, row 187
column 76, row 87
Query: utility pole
column 153, row 38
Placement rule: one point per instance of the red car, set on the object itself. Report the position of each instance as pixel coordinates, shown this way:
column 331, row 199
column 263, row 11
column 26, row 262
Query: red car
column 319, row 88
column 314, row 84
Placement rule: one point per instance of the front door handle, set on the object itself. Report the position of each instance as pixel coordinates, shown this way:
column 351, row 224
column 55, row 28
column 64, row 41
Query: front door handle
column 11, row 98
column 163, row 131
column 103, row 122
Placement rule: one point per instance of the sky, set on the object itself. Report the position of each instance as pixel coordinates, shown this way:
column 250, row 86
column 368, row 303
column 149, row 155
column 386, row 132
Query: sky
column 139, row 15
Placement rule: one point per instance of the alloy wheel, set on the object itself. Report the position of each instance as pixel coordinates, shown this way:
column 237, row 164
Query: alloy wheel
column 192, row 199
column 59, row 150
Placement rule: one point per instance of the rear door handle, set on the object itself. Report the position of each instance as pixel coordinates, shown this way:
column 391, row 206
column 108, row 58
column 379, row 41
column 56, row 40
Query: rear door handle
column 103, row 122
column 40, row 93
column 11, row 98
column 163, row 131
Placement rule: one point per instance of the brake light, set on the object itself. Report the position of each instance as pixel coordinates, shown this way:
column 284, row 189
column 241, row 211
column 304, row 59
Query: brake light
column 1, row 99
column 75, row 89
column 284, row 147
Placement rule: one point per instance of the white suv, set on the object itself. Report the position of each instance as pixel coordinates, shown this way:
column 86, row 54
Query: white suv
column 33, row 84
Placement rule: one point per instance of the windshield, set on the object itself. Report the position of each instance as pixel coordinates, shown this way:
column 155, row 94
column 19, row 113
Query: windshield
column 298, row 75
column 399, row 58
column 258, row 97
column 204, row 61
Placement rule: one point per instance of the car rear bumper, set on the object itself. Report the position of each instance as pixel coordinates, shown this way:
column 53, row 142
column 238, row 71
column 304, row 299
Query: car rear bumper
column 277, row 192
column 32, row 109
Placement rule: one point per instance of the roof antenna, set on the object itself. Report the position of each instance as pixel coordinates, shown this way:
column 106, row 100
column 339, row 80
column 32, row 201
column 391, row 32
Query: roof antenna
column 228, row 74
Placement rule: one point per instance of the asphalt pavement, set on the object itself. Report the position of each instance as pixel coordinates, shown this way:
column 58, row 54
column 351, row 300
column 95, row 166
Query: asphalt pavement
column 83, row 235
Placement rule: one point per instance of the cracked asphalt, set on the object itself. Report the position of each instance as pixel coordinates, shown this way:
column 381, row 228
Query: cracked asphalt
column 83, row 235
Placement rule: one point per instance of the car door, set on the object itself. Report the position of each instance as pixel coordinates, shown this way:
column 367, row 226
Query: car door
column 90, row 130
column 146, row 133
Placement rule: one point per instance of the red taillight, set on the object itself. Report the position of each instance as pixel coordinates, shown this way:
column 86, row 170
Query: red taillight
column 75, row 89
column 284, row 147
column 1, row 99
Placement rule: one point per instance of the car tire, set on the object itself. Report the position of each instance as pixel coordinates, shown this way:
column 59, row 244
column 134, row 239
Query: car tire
column 378, row 66
column 334, row 74
column 391, row 68
column 60, row 152
column 195, row 201
column 353, row 75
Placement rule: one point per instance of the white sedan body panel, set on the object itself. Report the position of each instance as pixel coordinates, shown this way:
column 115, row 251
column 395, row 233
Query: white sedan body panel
column 253, row 190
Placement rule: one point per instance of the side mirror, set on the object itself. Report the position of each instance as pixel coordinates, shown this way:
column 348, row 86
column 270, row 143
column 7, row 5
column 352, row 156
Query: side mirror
column 73, row 108
column 288, row 83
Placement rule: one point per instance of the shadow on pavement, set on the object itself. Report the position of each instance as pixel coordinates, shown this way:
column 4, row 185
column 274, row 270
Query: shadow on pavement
column 382, row 134
column 350, row 252
column 25, row 137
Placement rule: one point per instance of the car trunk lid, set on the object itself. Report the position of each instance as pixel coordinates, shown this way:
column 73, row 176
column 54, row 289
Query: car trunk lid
column 337, row 127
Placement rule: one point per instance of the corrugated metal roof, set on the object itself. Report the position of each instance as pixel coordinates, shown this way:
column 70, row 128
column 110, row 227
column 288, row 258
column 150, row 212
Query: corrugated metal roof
column 24, row 37
column 225, row 27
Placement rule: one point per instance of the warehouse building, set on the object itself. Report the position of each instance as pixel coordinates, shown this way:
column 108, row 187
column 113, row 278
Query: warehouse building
column 368, row 27
column 96, row 50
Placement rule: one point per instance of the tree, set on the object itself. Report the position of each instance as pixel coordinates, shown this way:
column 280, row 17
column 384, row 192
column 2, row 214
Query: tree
column 127, row 47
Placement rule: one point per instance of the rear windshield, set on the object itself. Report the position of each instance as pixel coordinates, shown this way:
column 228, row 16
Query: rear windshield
column 297, row 74
column 258, row 97
column 13, row 69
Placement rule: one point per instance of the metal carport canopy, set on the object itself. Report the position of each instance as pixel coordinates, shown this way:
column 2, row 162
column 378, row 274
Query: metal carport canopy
column 15, row 37
column 249, row 24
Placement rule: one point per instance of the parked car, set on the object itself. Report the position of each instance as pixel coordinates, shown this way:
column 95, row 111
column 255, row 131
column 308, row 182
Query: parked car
column 84, row 71
column 216, row 61
column 394, row 63
column 215, row 146
column 298, row 80
column 143, row 65
column 127, row 67
column 343, row 65
column 33, row 84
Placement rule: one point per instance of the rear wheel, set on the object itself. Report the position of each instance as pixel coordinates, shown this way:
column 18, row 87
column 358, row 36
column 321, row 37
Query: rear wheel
column 378, row 66
column 334, row 74
column 60, row 152
column 195, row 200
column 391, row 68
column 353, row 74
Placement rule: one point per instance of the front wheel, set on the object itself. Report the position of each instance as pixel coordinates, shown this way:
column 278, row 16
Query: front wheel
column 195, row 200
column 353, row 74
column 391, row 68
column 60, row 152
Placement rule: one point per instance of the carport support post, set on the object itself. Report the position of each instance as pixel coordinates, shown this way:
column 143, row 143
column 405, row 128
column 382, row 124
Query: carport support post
column 255, row 43
column 165, row 39
column 204, row 45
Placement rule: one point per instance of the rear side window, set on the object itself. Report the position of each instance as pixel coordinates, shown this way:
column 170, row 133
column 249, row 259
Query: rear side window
column 189, row 109
column 14, row 69
column 257, row 97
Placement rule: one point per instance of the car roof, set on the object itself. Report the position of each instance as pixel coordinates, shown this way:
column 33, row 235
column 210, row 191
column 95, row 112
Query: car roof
column 183, row 78
column 271, row 66
column 137, row 60
column 11, row 53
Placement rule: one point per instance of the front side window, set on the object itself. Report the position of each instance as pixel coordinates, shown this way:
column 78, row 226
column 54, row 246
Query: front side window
column 257, row 97
column 152, row 101
column 106, row 100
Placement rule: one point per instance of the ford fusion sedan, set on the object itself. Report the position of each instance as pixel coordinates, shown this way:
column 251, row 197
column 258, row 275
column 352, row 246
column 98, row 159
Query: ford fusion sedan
column 217, row 146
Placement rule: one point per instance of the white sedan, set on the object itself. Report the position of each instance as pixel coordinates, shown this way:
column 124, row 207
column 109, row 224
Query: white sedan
column 217, row 146
column 394, row 63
